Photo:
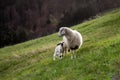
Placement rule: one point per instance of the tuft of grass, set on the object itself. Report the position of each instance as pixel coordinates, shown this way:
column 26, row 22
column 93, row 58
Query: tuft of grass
column 97, row 59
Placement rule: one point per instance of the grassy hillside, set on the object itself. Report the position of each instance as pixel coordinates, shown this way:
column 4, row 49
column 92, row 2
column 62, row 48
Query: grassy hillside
column 98, row 58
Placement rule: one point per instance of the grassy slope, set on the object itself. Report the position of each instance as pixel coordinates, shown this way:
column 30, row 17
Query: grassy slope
column 98, row 58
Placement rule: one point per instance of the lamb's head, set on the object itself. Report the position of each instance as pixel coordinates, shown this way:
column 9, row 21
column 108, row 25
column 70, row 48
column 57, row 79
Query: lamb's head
column 60, row 49
column 60, row 43
column 62, row 31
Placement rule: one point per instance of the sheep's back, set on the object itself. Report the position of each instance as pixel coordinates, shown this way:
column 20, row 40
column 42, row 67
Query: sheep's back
column 76, row 40
column 78, row 37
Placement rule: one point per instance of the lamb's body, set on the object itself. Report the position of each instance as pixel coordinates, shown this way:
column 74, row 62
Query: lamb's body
column 59, row 50
column 72, row 38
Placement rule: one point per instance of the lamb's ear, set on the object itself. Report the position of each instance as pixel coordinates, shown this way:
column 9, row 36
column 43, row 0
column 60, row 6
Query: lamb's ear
column 58, row 44
column 62, row 44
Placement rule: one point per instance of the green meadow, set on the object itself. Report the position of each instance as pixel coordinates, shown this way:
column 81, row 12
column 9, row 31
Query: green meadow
column 97, row 59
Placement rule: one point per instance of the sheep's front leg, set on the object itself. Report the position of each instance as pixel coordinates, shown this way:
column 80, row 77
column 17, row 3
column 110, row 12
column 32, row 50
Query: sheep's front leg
column 64, row 51
column 72, row 54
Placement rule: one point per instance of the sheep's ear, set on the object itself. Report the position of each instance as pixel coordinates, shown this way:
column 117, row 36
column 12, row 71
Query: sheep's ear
column 65, row 30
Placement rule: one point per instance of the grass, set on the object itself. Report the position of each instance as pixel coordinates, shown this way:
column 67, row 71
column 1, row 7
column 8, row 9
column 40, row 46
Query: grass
column 98, row 58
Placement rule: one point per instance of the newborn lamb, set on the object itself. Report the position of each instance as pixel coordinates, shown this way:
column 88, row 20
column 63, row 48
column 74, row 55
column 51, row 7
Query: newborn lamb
column 58, row 51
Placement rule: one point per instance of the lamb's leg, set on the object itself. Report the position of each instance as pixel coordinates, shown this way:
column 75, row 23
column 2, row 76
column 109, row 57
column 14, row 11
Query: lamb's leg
column 54, row 56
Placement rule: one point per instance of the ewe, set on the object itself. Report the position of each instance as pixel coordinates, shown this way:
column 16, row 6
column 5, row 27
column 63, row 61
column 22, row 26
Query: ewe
column 72, row 38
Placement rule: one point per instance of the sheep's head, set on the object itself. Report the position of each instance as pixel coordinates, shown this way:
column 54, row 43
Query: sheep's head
column 62, row 31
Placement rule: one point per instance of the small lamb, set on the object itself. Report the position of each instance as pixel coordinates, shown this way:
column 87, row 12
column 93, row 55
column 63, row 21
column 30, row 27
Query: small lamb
column 59, row 50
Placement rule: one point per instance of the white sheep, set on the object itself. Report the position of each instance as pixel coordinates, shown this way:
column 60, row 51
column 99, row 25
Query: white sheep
column 72, row 38
column 59, row 50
